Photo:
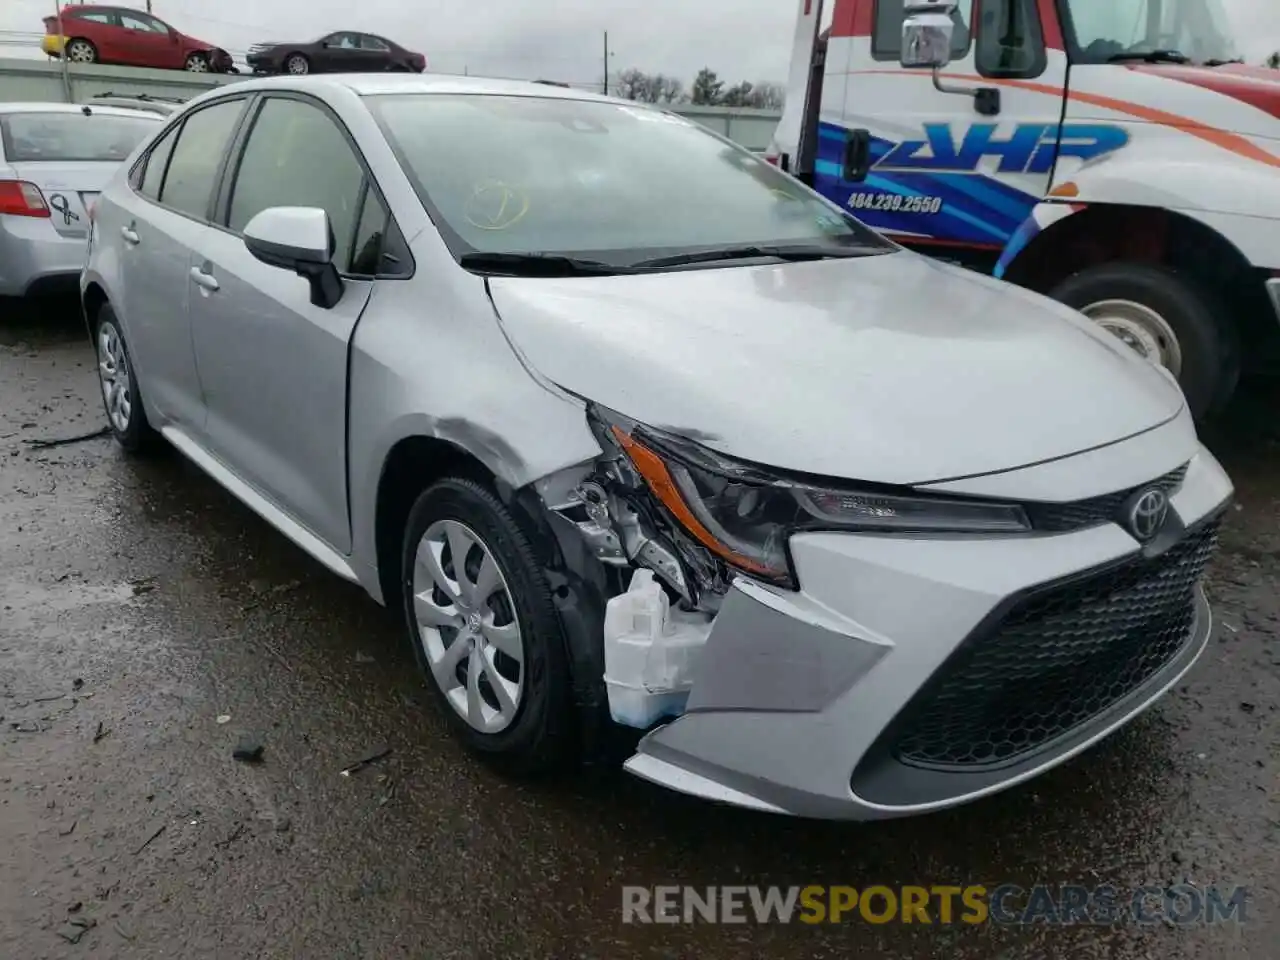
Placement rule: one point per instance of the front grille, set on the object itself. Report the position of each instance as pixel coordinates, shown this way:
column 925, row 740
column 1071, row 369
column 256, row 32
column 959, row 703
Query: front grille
column 1056, row 659
column 1060, row 517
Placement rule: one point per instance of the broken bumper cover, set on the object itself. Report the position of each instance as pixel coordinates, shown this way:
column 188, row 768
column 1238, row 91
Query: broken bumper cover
column 909, row 674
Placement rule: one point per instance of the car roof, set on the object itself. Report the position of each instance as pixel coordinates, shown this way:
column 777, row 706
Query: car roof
column 367, row 84
column 94, row 109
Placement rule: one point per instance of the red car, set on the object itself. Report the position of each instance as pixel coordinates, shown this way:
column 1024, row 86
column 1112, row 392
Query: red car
column 121, row 35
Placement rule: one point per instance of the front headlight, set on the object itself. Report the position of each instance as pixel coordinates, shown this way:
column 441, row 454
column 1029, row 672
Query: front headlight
column 745, row 515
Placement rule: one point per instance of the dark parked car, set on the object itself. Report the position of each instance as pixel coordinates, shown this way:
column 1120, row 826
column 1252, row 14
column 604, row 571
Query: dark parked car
column 343, row 52
column 122, row 35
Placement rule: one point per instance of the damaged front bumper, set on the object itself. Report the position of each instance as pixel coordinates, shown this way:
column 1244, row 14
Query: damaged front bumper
column 910, row 674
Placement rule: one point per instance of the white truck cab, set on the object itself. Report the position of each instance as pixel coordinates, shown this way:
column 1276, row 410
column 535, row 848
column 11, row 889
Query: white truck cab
column 1113, row 154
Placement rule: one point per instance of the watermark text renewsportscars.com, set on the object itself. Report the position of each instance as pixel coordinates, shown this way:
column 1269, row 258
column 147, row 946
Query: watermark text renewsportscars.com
column 1178, row 905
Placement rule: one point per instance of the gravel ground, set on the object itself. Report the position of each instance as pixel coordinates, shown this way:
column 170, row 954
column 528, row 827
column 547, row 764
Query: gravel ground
column 140, row 605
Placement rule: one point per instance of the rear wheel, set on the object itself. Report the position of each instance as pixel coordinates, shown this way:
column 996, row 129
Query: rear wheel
column 197, row 63
column 297, row 64
column 120, row 396
column 80, row 50
column 1169, row 319
column 484, row 631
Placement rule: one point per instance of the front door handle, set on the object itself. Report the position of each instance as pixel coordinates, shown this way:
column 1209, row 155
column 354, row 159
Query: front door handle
column 206, row 280
column 130, row 235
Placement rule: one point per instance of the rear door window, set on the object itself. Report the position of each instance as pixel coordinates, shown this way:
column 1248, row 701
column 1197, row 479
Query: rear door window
column 197, row 157
column 71, row 137
column 157, row 162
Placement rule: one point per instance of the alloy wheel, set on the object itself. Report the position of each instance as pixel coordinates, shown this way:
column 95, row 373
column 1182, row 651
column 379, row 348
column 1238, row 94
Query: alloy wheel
column 297, row 65
column 1142, row 329
column 79, row 51
column 197, row 64
column 113, row 372
column 467, row 626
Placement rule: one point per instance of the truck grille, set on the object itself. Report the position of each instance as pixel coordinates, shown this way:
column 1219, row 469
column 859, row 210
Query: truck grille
column 1057, row 659
column 1060, row 517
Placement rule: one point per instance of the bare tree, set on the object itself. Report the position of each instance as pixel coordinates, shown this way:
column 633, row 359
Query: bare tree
column 768, row 96
column 1273, row 61
column 670, row 90
column 635, row 84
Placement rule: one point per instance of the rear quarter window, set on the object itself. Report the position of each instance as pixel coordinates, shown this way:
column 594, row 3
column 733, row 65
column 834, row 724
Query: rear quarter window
column 72, row 137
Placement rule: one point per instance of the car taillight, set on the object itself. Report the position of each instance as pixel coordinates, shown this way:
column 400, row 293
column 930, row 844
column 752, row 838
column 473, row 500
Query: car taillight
column 21, row 199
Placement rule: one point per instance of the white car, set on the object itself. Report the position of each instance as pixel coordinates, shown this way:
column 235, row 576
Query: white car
column 635, row 428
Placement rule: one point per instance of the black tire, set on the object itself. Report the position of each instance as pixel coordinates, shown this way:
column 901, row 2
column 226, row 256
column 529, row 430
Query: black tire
column 1208, row 342
column 139, row 437
column 198, row 63
column 540, row 737
column 91, row 51
column 302, row 59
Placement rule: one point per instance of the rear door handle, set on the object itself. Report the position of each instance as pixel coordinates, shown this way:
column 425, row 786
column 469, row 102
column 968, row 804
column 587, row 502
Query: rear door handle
column 206, row 280
column 130, row 235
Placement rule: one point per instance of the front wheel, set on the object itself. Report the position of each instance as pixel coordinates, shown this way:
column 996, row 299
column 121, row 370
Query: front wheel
column 1166, row 317
column 484, row 629
column 297, row 65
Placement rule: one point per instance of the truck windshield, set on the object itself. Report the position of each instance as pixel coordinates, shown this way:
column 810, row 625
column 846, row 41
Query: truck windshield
column 1197, row 29
column 616, row 184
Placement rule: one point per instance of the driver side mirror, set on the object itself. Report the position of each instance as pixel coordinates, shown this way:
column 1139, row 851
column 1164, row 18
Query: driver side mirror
column 299, row 239
column 926, row 34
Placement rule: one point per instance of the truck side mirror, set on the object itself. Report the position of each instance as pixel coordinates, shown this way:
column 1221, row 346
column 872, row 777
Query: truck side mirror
column 926, row 34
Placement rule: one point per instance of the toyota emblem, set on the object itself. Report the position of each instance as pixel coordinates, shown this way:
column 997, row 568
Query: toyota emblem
column 1147, row 512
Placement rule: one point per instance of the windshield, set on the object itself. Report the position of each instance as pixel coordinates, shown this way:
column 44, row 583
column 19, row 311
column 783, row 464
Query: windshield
column 1198, row 29
column 72, row 136
column 615, row 183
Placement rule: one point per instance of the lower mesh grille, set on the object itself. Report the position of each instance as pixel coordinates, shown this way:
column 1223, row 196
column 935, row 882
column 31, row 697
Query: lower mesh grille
column 1057, row 659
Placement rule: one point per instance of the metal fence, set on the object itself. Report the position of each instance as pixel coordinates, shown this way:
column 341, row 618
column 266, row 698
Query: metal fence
column 43, row 80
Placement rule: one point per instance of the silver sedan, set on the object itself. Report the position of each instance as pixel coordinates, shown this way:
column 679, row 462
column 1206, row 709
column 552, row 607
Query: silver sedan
column 54, row 160
column 633, row 428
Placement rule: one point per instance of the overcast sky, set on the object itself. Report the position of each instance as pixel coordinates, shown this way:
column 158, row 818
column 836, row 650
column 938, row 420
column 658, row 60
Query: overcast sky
column 553, row 39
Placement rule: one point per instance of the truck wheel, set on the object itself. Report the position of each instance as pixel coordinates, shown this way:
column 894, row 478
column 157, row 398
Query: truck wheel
column 1168, row 318
column 483, row 627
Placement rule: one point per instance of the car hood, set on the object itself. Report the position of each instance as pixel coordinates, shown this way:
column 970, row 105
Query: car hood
column 1257, row 86
column 893, row 369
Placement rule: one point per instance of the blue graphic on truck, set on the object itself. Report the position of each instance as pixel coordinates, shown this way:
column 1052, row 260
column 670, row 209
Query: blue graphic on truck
column 930, row 187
